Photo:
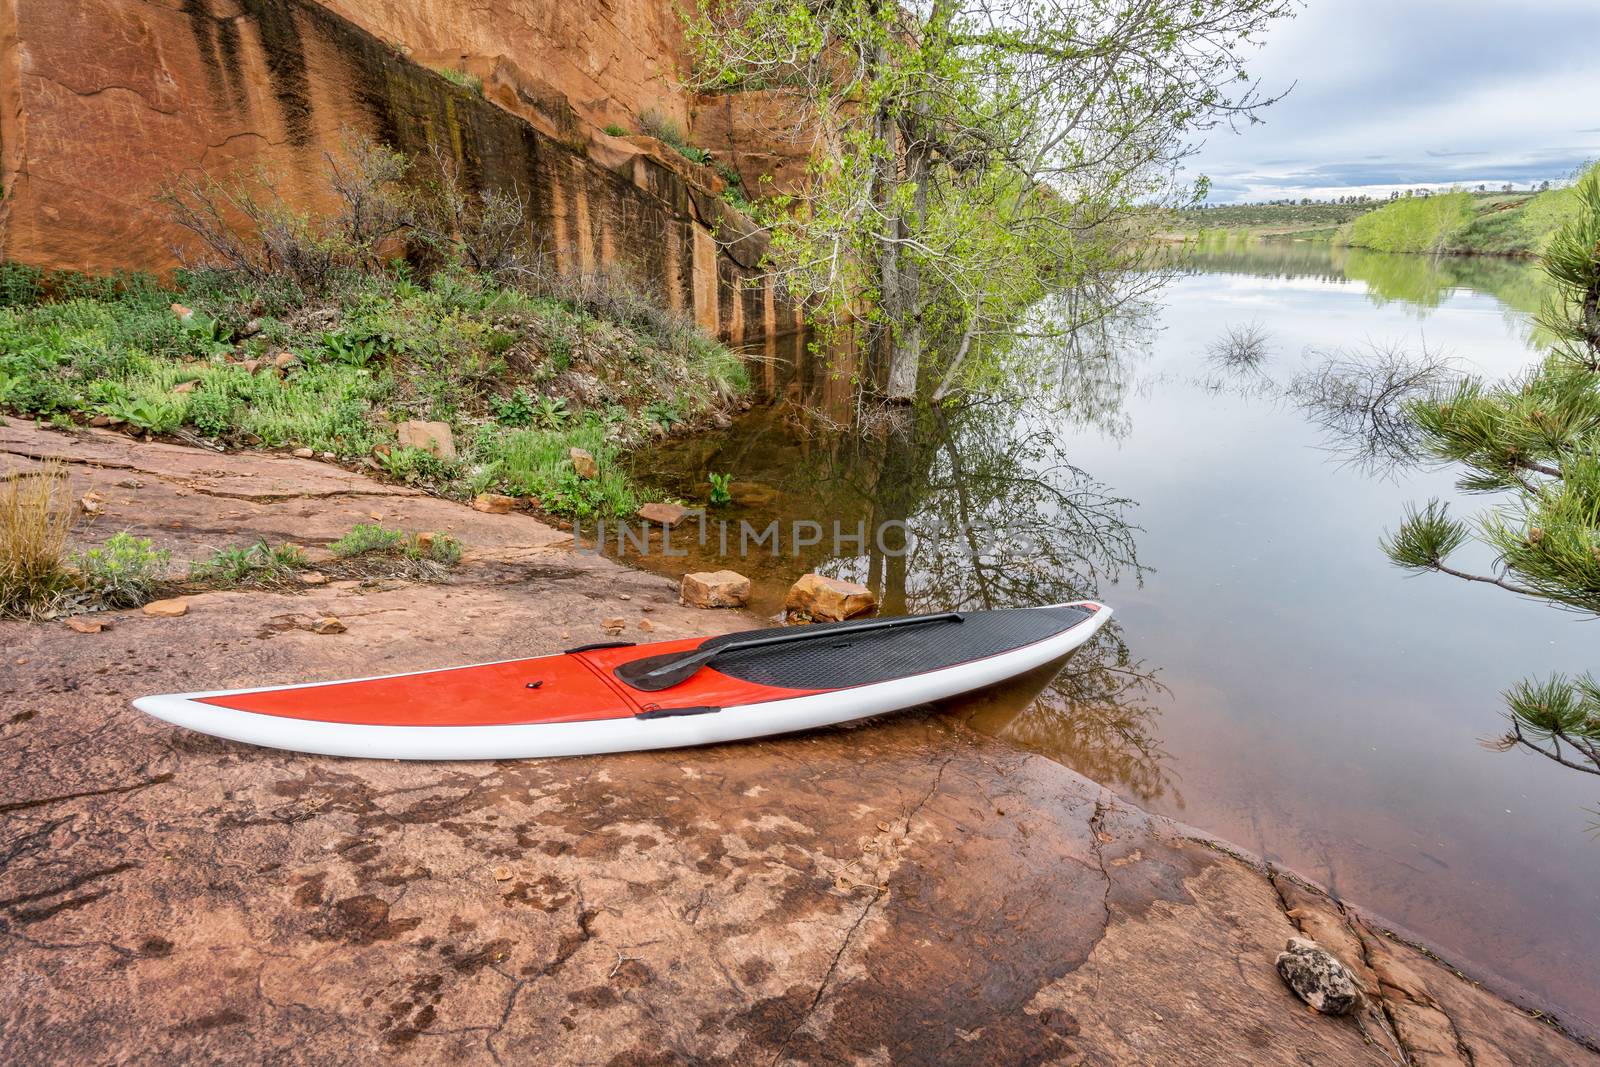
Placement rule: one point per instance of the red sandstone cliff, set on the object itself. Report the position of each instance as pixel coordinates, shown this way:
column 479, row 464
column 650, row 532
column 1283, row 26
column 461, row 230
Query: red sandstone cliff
column 104, row 101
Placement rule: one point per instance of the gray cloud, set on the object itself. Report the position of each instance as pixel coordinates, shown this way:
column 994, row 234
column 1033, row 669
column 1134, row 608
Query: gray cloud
column 1391, row 94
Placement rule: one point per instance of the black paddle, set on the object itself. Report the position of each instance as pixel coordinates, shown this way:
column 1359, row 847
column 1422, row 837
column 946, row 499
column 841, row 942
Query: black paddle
column 670, row 668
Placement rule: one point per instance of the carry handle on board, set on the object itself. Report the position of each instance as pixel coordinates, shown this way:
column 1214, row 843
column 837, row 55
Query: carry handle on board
column 670, row 668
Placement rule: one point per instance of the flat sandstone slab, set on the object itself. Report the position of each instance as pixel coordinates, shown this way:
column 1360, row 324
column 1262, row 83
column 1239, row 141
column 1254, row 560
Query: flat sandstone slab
column 901, row 892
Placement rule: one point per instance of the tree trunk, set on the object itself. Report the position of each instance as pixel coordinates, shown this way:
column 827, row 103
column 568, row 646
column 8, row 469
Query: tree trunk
column 905, row 356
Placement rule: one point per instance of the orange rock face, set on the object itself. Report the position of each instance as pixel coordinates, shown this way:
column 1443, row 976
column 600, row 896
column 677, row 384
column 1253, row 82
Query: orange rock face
column 104, row 102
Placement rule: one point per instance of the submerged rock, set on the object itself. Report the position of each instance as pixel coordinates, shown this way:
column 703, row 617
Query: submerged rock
column 816, row 596
column 1318, row 977
column 715, row 589
column 668, row 515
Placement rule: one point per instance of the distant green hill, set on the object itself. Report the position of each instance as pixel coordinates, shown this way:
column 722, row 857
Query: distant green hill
column 1507, row 224
column 1270, row 219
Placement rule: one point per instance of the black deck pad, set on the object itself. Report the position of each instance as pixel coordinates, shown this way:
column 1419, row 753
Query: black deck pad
column 841, row 659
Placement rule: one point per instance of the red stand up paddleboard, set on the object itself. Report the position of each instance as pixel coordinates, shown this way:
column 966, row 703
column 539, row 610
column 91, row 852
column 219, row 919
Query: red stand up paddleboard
column 623, row 697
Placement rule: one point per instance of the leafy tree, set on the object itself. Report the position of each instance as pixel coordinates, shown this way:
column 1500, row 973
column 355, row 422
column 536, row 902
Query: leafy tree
column 969, row 157
column 1535, row 441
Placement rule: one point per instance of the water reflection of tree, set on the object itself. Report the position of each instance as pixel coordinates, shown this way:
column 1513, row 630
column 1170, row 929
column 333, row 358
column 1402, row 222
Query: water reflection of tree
column 1420, row 283
column 1098, row 716
column 983, row 509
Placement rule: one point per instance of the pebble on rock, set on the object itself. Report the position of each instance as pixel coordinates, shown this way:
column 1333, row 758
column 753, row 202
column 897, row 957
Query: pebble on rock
column 1318, row 977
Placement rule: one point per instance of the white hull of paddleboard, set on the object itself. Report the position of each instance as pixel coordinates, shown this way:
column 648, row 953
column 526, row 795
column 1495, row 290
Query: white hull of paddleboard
column 593, row 737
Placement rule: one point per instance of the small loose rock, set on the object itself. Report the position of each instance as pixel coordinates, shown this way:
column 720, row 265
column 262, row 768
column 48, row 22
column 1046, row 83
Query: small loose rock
column 328, row 624
column 432, row 437
column 493, row 503
column 583, row 463
column 167, row 609
column 86, row 626
column 304, row 453
column 1318, row 977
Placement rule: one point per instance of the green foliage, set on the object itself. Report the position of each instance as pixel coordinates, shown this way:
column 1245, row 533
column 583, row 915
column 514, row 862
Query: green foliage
column 456, row 339
column 374, row 539
column 1413, row 224
column 212, row 412
column 972, row 163
column 721, row 495
column 1535, row 441
column 124, row 572
column 249, row 566
column 368, row 537
column 550, row 413
column 20, row 285
column 615, row 130
column 1277, row 218
column 1425, row 537
column 1557, row 711
column 460, row 78
column 416, row 466
column 514, row 410
column 537, row 463
column 654, row 124
column 664, row 413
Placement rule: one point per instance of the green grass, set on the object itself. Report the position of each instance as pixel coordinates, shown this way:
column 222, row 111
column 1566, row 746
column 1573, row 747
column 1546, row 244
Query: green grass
column 257, row 566
column 654, row 124
column 470, row 82
column 375, row 539
column 537, row 463
column 378, row 349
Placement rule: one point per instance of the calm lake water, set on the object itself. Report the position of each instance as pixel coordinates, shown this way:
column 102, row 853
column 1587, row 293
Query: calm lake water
column 1269, row 677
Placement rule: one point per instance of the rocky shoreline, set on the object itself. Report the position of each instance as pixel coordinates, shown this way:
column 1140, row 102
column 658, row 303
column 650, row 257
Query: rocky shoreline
column 905, row 891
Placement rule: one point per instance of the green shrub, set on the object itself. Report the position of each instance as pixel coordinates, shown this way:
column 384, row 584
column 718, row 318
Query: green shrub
column 615, row 130
column 368, row 537
column 654, row 124
column 211, row 412
column 20, row 285
column 416, row 465
column 1413, row 224
column 721, row 491
column 514, row 410
column 258, row 565
column 124, row 572
column 375, row 539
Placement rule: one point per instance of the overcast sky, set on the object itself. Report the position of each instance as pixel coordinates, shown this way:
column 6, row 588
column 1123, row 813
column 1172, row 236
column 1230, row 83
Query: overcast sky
column 1402, row 93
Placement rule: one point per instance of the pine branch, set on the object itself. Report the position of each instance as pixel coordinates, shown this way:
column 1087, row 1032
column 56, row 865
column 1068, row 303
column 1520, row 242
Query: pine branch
column 1501, row 582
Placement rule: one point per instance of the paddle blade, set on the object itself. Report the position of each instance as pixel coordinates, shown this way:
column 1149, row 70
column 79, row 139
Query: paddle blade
column 654, row 673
